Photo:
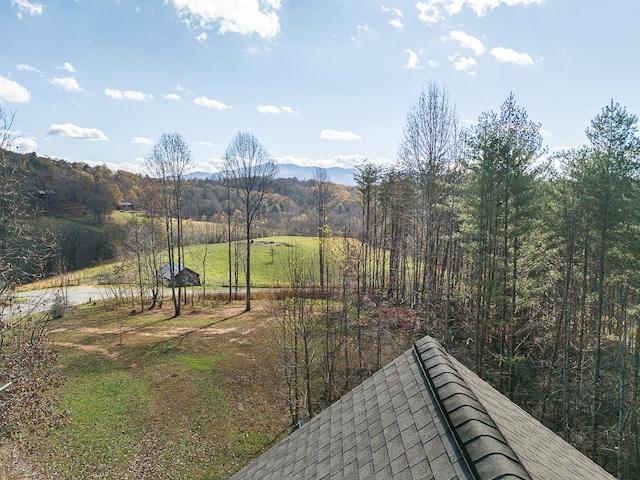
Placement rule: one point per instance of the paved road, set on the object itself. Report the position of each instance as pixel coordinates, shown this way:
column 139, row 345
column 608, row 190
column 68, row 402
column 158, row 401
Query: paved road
column 33, row 301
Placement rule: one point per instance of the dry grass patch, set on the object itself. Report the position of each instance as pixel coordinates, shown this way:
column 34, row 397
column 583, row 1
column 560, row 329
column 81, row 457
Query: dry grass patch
column 152, row 396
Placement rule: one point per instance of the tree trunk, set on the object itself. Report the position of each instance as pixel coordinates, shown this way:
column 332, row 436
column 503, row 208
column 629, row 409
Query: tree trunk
column 248, row 271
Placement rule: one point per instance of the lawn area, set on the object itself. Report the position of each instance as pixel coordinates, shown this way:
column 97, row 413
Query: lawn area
column 268, row 260
column 150, row 396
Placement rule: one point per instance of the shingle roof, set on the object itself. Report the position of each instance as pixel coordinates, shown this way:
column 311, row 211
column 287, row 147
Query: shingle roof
column 487, row 453
column 165, row 270
column 182, row 276
column 545, row 455
column 423, row 416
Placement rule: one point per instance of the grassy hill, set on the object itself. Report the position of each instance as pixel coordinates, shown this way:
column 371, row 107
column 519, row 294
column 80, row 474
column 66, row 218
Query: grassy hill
column 269, row 257
column 153, row 396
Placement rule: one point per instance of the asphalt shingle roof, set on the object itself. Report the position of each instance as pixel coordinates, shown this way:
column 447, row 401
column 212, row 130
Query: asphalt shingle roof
column 423, row 416
column 165, row 270
column 545, row 455
column 486, row 451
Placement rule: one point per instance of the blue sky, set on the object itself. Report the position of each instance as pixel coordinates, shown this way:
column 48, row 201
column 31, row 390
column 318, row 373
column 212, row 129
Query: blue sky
column 318, row 82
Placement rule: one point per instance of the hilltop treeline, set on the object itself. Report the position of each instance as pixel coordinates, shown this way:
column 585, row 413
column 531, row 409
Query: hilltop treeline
column 73, row 200
column 58, row 187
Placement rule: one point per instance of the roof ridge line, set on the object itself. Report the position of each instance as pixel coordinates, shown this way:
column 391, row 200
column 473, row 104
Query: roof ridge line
column 485, row 450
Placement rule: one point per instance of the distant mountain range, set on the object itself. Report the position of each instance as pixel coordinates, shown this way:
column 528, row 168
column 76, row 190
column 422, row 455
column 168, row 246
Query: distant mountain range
column 342, row 176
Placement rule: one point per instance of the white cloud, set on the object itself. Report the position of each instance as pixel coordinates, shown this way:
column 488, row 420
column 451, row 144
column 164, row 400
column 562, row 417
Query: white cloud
column 268, row 109
column 246, row 17
column 273, row 3
column 68, row 84
column 506, row 55
column 396, row 11
column 328, row 134
column 27, row 8
column 202, row 37
column 24, row 144
column 462, row 63
column 66, row 66
column 480, row 7
column 127, row 95
column 23, row 67
column 173, row 96
column 361, row 33
column 180, row 88
column 433, row 63
column 69, row 130
column 11, row 91
column 142, row 141
column 467, row 41
column 275, row 109
column 432, row 11
column 413, row 62
column 207, row 144
column 396, row 22
column 210, row 165
column 429, row 12
column 254, row 49
column 209, row 103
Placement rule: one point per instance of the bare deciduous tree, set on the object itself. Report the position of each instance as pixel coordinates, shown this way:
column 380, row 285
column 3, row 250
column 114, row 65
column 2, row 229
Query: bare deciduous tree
column 169, row 161
column 324, row 193
column 248, row 170
column 428, row 151
column 27, row 405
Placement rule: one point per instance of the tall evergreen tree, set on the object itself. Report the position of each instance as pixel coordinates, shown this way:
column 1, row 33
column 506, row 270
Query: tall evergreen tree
column 607, row 176
column 502, row 149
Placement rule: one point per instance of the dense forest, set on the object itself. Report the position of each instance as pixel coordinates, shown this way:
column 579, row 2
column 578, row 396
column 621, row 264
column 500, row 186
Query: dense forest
column 524, row 264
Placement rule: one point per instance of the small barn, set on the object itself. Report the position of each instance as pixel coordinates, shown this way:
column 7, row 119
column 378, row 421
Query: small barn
column 182, row 276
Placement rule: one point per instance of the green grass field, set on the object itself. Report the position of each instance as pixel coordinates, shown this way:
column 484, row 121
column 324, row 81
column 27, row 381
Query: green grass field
column 151, row 396
column 269, row 257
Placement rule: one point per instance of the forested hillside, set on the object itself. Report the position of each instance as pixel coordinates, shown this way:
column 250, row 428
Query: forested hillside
column 58, row 187
column 73, row 201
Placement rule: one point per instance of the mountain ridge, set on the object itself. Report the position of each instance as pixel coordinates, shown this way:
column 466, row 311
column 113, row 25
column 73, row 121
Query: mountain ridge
column 340, row 175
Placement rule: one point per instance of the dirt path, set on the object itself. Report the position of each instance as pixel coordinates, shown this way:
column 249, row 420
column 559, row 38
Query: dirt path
column 149, row 331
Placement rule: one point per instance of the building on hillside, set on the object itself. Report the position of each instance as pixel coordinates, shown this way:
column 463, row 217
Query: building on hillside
column 423, row 416
column 48, row 198
column 125, row 206
column 182, row 276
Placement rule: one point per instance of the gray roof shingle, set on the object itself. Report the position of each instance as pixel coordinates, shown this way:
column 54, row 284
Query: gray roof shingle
column 423, row 416
column 487, row 453
column 545, row 455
